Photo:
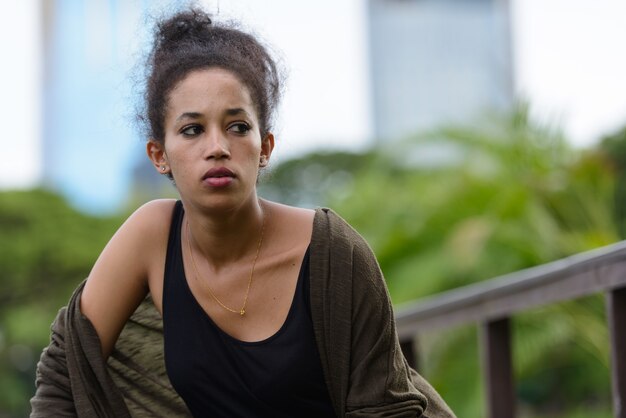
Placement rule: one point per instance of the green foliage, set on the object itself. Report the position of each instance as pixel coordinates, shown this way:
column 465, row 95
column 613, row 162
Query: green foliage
column 311, row 180
column 510, row 196
column 614, row 148
column 46, row 249
column 450, row 362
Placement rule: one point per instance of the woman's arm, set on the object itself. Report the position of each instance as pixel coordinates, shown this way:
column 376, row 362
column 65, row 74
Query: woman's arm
column 118, row 281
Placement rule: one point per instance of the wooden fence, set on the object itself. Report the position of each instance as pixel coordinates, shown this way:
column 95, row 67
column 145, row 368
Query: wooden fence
column 492, row 303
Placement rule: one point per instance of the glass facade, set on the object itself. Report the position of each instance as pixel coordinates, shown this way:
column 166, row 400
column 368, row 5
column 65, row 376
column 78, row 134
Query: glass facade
column 437, row 61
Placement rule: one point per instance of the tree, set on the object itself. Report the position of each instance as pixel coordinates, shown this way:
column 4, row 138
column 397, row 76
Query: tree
column 46, row 249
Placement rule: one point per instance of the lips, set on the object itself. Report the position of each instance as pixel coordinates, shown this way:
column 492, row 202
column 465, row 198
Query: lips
column 218, row 177
column 217, row 173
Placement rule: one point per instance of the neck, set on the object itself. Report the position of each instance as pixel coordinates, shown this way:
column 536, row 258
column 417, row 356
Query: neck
column 223, row 239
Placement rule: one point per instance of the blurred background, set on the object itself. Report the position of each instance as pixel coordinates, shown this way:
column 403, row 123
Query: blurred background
column 463, row 138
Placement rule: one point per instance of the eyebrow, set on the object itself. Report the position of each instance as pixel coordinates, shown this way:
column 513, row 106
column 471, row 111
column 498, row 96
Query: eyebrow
column 189, row 115
column 236, row 111
column 195, row 115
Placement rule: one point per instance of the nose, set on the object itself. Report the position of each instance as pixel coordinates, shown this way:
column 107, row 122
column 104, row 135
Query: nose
column 216, row 145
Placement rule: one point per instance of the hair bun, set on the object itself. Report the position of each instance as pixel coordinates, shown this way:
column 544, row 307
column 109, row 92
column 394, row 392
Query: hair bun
column 184, row 25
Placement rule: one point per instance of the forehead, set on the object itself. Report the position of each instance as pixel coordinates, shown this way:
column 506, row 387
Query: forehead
column 209, row 89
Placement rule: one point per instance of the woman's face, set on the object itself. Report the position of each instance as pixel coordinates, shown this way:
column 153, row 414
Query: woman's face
column 212, row 145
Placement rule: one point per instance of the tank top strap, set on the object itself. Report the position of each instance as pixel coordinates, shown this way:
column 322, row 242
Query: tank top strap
column 173, row 258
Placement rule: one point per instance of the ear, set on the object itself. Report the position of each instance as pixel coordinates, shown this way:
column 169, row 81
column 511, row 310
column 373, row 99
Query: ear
column 267, row 146
column 156, row 153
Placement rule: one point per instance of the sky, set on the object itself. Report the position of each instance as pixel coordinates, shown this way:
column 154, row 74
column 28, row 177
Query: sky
column 568, row 58
column 570, row 63
column 20, row 84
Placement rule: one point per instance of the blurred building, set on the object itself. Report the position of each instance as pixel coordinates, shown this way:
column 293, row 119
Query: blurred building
column 90, row 142
column 437, row 61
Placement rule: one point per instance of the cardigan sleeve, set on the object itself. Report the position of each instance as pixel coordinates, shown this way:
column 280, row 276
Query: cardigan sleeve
column 53, row 394
column 72, row 377
column 381, row 379
column 367, row 373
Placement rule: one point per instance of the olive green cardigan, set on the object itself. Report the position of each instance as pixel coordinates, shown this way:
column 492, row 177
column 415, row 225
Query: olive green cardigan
column 364, row 369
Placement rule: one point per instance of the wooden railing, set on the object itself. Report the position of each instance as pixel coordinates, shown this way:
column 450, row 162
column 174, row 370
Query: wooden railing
column 491, row 304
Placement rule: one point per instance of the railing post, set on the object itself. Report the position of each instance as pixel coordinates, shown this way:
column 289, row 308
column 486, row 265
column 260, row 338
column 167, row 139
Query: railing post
column 497, row 368
column 616, row 313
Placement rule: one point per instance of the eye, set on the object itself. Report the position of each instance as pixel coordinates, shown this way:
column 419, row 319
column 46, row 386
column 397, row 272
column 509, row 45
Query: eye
column 191, row 130
column 240, row 128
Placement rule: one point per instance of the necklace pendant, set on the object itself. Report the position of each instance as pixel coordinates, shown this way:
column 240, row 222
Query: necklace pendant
column 242, row 311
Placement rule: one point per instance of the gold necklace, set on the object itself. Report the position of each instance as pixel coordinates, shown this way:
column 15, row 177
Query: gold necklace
column 241, row 311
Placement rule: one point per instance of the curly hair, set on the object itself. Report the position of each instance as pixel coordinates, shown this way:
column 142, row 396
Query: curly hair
column 190, row 40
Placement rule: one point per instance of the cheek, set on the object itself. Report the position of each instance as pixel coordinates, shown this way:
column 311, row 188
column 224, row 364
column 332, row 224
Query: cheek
column 255, row 158
column 174, row 152
column 175, row 160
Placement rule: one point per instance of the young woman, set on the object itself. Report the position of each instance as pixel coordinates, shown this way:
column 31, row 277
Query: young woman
column 267, row 310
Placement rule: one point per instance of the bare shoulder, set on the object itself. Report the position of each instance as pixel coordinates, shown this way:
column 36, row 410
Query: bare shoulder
column 144, row 229
column 145, row 234
column 290, row 226
column 152, row 215
column 291, row 216
column 138, row 233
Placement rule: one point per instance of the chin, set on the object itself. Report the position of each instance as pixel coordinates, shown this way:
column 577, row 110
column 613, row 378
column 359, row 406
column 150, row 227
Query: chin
column 226, row 203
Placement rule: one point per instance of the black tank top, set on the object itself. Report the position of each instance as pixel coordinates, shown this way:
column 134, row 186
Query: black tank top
column 219, row 376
